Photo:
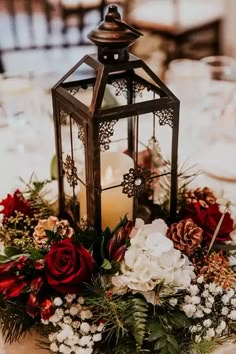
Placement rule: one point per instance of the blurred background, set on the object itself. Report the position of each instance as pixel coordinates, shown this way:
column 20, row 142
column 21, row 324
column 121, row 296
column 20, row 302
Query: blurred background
column 190, row 44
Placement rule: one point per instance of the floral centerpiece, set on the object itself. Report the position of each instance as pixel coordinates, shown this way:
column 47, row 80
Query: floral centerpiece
column 136, row 289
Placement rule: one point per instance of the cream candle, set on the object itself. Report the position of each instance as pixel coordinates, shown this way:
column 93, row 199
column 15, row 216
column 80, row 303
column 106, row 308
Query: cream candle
column 115, row 204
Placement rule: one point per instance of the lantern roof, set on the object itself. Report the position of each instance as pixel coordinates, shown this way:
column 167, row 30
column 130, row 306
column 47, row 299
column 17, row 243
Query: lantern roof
column 92, row 87
column 112, row 35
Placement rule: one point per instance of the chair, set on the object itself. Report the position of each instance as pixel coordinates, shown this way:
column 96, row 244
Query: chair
column 29, row 24
column 183, row 22
column 79, row 9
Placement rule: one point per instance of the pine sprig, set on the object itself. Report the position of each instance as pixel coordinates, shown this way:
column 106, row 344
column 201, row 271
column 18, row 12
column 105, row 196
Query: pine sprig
column 37, row 199
column 204, row 347
column 123, row 316
column 14, row 322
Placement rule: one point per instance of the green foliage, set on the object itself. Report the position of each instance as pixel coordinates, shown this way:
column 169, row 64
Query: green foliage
column 136, row 320
column 164, row 332
column 53, row 168
column 124, row 316
column 34, row 193
column 11, row 251
column 14, row 322
column 204, row 347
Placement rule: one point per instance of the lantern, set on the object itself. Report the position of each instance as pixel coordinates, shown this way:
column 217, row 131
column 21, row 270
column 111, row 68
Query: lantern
column 102, row 108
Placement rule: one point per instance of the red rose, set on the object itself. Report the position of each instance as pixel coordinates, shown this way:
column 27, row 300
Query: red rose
column 208, row 219
column 68, row 265
column 15, row 203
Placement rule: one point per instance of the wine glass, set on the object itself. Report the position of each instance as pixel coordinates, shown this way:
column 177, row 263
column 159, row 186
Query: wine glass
column 219, row 135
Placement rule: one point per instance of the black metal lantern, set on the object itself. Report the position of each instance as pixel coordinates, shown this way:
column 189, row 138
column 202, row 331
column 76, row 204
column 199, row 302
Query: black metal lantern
column 106, row 102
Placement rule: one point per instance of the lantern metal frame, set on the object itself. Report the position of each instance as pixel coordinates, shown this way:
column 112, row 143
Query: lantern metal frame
column 94, row 119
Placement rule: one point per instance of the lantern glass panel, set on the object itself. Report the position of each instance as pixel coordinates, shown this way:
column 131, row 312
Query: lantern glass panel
column 83, row 71
column 73, row 160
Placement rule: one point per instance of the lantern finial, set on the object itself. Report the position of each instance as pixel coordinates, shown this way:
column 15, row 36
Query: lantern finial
column 113, row 37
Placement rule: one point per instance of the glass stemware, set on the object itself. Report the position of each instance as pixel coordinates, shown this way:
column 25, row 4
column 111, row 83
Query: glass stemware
column 17, row 102
column 219, row 134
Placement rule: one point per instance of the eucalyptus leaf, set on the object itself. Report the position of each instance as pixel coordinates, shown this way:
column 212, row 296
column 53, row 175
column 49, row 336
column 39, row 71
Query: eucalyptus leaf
column 35, row 254
column 106, row 264
column 4, row 259
column 11, row 251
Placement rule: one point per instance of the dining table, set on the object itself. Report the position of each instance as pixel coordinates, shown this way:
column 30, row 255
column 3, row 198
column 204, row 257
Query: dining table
column 27, row 149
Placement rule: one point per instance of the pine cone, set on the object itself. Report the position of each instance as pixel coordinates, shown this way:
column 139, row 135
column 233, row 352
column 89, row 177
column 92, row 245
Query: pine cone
column 62, row 228
column 185, row 235
column 204, row 196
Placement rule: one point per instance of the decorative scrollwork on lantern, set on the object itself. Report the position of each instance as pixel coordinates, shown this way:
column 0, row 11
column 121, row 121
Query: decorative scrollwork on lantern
column 120, row 87
column 74, row 91
column 106, row 131
column 71, row 171
column 138, row 88
column 81, row 133
column 63, row 117
column 165, row 116
column 136, row 181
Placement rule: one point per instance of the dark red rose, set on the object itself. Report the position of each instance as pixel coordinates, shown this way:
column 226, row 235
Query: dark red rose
column 68, row 265
column 46, row 309
column 208, row 219
column 12, row 204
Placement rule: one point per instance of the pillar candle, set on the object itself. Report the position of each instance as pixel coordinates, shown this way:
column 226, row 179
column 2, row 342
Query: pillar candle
column 114, row 204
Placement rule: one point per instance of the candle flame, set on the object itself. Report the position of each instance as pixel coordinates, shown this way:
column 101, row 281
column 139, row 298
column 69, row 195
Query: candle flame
column 108, row 175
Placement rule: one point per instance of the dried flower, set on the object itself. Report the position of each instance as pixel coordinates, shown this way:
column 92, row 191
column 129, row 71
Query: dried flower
column 216, row 268
column 62, row 228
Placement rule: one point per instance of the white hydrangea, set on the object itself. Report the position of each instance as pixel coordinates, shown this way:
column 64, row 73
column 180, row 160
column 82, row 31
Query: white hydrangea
column 152, row 258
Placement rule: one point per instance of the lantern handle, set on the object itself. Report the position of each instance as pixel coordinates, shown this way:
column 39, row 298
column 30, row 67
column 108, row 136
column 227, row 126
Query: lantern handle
column 124, row 24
